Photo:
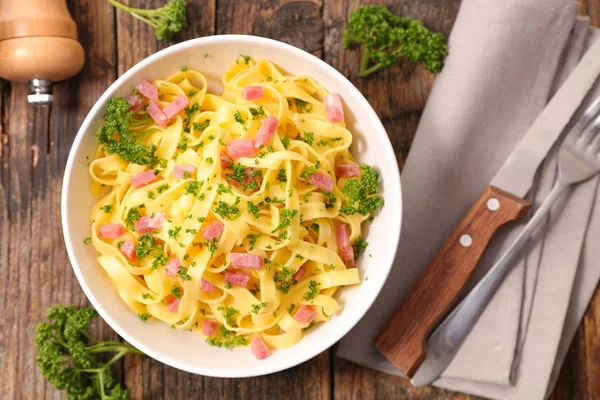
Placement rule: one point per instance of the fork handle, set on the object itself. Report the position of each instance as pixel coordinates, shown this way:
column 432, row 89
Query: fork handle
column 403, row 340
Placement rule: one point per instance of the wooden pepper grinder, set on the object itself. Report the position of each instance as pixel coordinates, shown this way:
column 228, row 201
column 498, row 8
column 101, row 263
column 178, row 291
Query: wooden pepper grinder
column 38, row 44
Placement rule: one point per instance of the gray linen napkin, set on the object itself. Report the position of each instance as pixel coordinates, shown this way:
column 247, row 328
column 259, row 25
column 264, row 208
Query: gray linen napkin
column 506, row 60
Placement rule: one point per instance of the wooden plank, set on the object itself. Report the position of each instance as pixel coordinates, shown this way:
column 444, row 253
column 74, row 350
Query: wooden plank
column 298, row 23
column 34, row 270
column 137, row 41
column 144, row 377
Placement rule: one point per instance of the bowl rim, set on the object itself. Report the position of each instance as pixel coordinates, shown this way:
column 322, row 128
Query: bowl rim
column 392, row 233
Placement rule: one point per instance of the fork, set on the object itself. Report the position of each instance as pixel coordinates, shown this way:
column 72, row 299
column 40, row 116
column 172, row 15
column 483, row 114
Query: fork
column 578, row 161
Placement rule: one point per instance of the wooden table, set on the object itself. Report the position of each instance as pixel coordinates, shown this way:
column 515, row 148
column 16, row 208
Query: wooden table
column 34, row 143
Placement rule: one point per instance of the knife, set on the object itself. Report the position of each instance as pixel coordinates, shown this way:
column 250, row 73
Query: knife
column 402, row 341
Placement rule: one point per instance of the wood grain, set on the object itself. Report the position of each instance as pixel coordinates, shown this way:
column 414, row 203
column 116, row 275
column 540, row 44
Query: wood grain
column 432, row 296
column 34, row 270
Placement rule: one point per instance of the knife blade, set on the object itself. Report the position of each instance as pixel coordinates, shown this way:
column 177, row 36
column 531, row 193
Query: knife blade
column 403, row 340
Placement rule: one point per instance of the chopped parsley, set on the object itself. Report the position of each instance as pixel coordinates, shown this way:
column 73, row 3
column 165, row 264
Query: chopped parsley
column 211, row 246
column 281, row 175
column 108, row 209
column 184, row 68
column 228, row 285
column 240, row 120
column 209, row 160
column 254, row 210
column 255, row 291
column 162, row 188
column 310, row 170
column 132, row 215
column 284, row 279
column 359, row 247
column 287, row 216
column 257, row 112
column 189, row 113
column 183, row 274
column 174, row 232
column 245, row 57
column 309, row 137
column 252, row 240
column 200, row 126
column 291, row 308
column 87, row 240
column 255, row 308
column 176, row 291
column 193, row 188
column 227, row 313
column 182, row 145
column 192, row 92
column 228, row 211
column 322, row 142
column 146, row 246
column 147, row 296
column 224, row 189
column 303, row 106
column 312, row 291
column 151, row 194
column 145, row 316
column 228, row 339
column 285, row 141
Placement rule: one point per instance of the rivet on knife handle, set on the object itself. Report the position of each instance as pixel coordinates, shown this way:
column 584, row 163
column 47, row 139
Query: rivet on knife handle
column 403, row 340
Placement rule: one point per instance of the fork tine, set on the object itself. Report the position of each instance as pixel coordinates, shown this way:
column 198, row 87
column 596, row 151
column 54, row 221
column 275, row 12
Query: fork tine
column 594, row 132
column 579, row 129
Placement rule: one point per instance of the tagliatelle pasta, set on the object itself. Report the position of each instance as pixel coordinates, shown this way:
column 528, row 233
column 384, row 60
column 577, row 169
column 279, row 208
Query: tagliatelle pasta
column 236, row 216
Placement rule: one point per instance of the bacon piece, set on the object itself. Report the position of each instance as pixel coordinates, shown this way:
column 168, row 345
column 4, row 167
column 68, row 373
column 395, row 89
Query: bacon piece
column 157, row 114
column 173, row 304
column 236, row 278
column 148, row 90
column 128, row 250
column 226, row 161
column 265, row 132
column 246, row 260
column 179, row 170
column 333, row 107
column 347, row 170
column 209, row 327
column 240, row 148
column 213, row 230
column 110, row 231
column 207, row 286
column 299, row 274
column 253, row 92
column 176, row 106
column 172, row 267
column 322, row 181
column 259, row 348
column 147, row 224
column 142, row 179
column 156, row 221
column 305, row 314
column 135, row 102
column 141, row 225
column 343, row 239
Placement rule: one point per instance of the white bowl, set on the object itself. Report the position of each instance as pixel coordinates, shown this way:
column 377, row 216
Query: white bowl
column 187, row 351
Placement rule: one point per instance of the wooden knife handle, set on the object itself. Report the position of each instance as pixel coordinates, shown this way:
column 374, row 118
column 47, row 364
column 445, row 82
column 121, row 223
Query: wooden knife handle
column 403, row 340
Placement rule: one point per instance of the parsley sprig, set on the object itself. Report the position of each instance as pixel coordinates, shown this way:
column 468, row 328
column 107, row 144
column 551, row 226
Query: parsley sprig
column 362, row 197
column 117, row 139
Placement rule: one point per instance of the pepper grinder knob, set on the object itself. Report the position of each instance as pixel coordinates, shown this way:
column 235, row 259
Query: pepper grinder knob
column 38, row 44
